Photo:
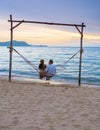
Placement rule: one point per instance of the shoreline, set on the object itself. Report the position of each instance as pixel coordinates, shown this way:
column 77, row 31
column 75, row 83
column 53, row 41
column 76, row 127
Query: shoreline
column 52, row 82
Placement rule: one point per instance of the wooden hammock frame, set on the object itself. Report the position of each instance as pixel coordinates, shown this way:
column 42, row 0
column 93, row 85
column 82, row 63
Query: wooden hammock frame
column 79, row 27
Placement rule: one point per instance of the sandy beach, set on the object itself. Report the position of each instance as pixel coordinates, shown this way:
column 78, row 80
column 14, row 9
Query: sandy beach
column 43, row 106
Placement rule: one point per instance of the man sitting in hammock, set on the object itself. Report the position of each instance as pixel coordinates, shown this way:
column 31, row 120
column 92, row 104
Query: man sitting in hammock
column 50, row 70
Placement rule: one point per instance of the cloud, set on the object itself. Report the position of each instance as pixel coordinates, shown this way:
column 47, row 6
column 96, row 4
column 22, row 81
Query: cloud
column 92, row 38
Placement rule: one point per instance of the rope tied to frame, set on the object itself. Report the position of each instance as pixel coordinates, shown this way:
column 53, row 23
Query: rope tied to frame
column 29, row 62
column 71, row 58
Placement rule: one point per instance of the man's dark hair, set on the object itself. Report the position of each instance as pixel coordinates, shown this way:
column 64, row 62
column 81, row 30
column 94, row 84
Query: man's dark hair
column 51, row 61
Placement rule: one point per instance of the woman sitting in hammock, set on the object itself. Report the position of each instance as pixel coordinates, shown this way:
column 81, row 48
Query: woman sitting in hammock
column 42, row 68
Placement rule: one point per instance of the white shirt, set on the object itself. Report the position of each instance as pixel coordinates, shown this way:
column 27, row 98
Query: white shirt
column 50, row 70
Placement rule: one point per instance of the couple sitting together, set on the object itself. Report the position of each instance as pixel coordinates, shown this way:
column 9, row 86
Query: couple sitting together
column 46, row 71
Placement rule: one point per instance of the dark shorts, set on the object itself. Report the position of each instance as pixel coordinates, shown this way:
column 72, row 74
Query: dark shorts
column 48, row 77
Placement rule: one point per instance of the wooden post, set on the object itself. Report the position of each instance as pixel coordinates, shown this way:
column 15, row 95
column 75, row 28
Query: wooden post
column 11, row 40
column 81, row 50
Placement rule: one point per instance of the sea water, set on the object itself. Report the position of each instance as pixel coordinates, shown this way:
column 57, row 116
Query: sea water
column 67, row 67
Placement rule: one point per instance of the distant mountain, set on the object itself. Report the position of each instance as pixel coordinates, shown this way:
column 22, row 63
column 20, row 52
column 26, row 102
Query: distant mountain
column 39, row 45
column 15, row 43
column 20, row 43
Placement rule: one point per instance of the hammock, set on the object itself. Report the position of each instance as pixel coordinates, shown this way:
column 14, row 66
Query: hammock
column 34, row 67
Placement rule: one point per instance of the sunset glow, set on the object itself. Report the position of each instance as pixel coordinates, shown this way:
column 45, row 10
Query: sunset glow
column 46, row 35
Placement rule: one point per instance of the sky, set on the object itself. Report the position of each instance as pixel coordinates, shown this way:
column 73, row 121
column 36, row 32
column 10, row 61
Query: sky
column 59, row 11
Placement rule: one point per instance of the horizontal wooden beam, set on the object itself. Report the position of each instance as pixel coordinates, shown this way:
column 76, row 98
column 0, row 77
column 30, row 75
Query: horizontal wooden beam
column 49, row 23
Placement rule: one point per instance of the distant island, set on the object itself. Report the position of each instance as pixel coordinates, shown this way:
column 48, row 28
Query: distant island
column 20, row 43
